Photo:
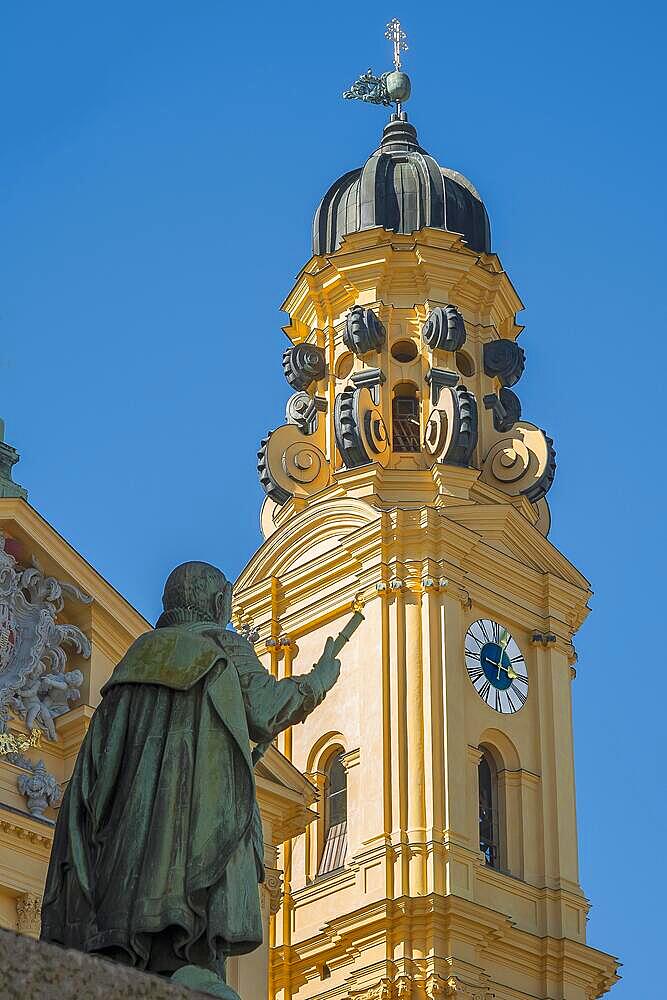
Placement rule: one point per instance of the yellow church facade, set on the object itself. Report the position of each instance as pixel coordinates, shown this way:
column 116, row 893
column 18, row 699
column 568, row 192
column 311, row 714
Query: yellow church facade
column 420, row 826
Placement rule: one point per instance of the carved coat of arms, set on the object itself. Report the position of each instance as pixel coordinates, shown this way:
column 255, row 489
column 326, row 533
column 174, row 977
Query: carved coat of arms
column 34, row 681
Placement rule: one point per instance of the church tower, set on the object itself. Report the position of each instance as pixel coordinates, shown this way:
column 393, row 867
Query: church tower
column 443, row 862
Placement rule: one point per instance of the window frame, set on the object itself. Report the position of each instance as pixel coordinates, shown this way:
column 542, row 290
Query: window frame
column 330, row 837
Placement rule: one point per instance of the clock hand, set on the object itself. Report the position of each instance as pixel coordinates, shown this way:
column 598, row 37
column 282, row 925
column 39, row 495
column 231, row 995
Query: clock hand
column 504, row 643
column 499, row 663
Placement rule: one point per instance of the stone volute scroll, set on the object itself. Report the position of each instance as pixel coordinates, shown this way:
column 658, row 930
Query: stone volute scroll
column 520, row 459
column 363, row 331
column 451, row 429
column 361, row 434
column 444, row 329
column 303, row 411
column 290, row 463
column 521, row 463
column 505, row 408
column 304, row 364
column 504, row 360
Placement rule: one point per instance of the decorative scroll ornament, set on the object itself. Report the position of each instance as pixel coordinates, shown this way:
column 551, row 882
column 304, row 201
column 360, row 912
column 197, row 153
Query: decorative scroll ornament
column 273, row 884
column 267, row 481
column 304, row 364
column 523, row 463
column 363, row 331
column 455, row 988
column 444, row 329
column 40, row 789
column 303, row 411
column 33, row 681
column 291, row 465
column 361, row 435
column 504, row 360
column 506, row 409
column 451, row 430
column 380, row 991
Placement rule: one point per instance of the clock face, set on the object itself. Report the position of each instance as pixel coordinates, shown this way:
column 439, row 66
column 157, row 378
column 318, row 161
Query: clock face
column 495, row 666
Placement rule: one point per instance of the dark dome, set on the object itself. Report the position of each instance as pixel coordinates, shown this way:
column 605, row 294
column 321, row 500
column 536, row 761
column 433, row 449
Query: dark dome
column 403, row 189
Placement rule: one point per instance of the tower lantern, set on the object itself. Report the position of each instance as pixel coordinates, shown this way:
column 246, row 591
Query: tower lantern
column 443, row 861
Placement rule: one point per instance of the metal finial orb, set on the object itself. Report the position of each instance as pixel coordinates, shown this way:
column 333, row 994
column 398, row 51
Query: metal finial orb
column 398, row 86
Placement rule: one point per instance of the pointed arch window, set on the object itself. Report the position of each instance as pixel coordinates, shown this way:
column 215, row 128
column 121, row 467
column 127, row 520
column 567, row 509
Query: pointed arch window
column 335, row 816
column 488, row 810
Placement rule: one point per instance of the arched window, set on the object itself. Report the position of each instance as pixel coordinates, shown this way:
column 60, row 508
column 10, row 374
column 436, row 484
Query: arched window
column 406, row 434
column 488, row 811
column 335, row 816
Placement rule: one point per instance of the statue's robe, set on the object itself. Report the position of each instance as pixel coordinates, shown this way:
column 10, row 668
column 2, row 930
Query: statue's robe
column 158, row 847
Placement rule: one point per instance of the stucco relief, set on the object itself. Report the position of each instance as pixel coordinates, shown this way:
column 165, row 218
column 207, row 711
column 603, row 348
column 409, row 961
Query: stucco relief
column 380, row 991
column 455, row 988
column 40, row 789
column 273, row 883
column 432, row 987
column 34, row 682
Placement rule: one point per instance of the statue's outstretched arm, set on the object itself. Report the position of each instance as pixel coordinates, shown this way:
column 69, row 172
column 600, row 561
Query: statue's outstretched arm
column 272, row 705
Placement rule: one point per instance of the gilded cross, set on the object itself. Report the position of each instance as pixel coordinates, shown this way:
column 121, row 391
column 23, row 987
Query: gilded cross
column 397, row 36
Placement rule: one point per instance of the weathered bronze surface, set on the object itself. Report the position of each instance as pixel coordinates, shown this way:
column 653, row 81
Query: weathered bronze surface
column 158, row 848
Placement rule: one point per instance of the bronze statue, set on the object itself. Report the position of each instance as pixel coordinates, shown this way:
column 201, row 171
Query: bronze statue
column 158, row 847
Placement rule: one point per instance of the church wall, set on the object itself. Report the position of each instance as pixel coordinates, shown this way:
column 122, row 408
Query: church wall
column 412, row 726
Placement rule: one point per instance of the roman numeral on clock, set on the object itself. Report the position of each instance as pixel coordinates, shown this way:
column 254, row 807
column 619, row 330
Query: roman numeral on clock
column 484, row 690
column 520, row 695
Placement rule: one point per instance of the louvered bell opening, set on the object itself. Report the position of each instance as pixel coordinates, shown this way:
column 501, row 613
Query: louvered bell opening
column 405, row 421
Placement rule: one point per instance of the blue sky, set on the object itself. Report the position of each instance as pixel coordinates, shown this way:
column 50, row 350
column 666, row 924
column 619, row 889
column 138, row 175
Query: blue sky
column 159, row 169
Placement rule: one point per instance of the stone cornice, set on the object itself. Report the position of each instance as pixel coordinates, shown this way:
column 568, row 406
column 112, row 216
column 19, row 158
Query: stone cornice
column 429, row 267
column 488, row 556
column 22, row 830
column 448, row 917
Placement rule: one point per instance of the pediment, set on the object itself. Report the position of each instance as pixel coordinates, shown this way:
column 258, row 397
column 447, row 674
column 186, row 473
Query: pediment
column 504, row 528
column 312, row 533
column 275, row 767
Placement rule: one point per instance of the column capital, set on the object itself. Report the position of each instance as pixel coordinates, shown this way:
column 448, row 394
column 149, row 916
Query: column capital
column 29, row 914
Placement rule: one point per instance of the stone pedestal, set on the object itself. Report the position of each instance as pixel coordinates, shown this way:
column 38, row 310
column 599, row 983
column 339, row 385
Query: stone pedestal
column 42, row 971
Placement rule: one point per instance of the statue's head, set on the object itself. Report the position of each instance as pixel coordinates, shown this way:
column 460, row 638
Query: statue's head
column 196, row 592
